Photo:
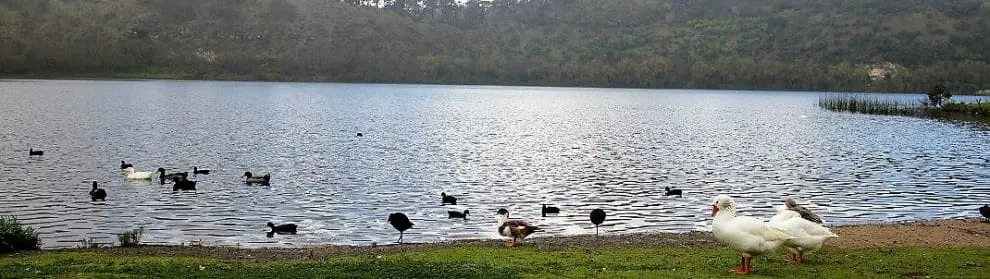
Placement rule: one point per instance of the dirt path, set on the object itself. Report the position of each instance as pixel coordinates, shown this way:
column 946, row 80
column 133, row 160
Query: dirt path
column 927, row 234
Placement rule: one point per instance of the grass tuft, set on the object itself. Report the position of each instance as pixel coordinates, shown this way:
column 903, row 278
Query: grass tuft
column 15, row 236
column 130, row 238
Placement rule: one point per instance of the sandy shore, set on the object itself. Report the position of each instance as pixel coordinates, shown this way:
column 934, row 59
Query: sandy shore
column 925, row 234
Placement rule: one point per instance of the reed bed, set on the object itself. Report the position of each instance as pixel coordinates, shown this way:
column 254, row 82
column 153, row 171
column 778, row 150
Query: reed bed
column 870, row 105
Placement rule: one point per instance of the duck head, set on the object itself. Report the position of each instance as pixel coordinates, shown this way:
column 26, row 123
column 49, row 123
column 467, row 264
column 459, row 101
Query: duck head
column 247, row 174
column 790, row 203
column 723, row 203
column 161, row 170
column 503, row 212
column 94, row 185
column 466, row 213
column 271, row 225
column 443, row 194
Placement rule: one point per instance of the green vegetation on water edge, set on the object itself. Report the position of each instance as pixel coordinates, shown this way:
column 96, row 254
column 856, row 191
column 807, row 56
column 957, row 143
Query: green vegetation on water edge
column 498, row 262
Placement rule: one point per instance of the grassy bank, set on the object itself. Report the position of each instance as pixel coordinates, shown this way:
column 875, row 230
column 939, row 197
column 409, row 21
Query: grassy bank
column 488, row 261
column 924, row 249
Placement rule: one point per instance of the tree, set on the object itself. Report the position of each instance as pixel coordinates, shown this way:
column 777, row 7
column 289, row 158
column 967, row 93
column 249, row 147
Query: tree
column 938, row 95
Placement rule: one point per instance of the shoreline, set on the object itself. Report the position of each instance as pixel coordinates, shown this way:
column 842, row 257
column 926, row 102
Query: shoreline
column 929, row 234
column 182, row 78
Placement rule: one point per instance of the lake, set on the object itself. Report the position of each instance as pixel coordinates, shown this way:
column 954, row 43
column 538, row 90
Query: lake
column 491, row 147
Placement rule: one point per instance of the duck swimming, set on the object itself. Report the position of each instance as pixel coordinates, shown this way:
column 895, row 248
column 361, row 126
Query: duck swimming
column 281, row 229
column 97, row 193
column 200, row 171
column 445, row 199
column 457, row 215
column 162, row 177
column 673, row 192
column 549, row 210
column 183, row 184
column 32, row 152
column 251, row 179
column 125, row 165
column 135, row 175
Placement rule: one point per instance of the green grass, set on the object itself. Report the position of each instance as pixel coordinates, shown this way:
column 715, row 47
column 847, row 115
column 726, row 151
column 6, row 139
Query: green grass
column 498, row 262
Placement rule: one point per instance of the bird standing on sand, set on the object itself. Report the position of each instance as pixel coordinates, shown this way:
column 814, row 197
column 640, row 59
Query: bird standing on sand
column 985, row 211
column 400, row 222
column 805, row 213
column 597, row 218
column 513, row 228
column 97, row 193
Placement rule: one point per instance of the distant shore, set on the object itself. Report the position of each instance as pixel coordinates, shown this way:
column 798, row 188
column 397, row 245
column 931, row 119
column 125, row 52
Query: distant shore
column 182, row 77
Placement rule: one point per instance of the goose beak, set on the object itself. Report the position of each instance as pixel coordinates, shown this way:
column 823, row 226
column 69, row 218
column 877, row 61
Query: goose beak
column 714, row 209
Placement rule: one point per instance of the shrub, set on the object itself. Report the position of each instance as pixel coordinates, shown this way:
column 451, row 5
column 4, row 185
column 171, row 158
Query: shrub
column 15, row 236
column 131, row 237
column 938, row 95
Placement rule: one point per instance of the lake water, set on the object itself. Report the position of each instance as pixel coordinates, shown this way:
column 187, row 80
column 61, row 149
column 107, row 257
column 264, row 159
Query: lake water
column 491, row 147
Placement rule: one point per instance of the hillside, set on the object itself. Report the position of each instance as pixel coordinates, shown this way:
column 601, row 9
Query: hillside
column 839, row 45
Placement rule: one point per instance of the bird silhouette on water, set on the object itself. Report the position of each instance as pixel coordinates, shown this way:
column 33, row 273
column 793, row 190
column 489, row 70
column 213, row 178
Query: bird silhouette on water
column 445, row 199
column 183, row 184
column 457, row 215
column 549, row 210
column 985, row 211
column 400, row 222
column 32, row 152
column 281, row 229
column 673, row 192
column 597, row 218
column 200, row 171
column 124, row 165
column 97, row 193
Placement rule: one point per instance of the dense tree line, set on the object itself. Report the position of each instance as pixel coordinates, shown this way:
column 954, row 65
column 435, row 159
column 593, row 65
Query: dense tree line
column 738, row 44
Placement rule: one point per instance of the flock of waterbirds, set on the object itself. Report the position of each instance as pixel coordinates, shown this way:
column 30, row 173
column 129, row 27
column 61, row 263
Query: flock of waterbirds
column 794, row 227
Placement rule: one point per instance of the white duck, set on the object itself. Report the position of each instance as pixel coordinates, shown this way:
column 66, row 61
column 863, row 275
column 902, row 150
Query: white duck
column 142, row 175
column 745, row 234
column 808, row 236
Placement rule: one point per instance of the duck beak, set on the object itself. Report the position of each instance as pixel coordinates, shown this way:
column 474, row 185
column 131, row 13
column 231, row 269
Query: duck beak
column 714, row 209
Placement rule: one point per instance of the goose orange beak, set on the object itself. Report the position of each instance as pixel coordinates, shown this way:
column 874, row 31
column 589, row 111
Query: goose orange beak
column 714, row 209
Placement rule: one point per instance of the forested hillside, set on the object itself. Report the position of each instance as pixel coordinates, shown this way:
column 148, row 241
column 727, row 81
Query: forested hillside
column 741, row 44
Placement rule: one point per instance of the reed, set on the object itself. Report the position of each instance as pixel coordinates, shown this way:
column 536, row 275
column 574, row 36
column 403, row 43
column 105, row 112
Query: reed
column 870, row 105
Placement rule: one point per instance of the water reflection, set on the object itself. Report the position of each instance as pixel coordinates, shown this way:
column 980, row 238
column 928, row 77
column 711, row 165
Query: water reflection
column 492, row 147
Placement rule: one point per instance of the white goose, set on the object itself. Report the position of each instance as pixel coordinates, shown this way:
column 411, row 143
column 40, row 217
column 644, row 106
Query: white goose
column 808, row 236
column 143, row 175
column 745, row 234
